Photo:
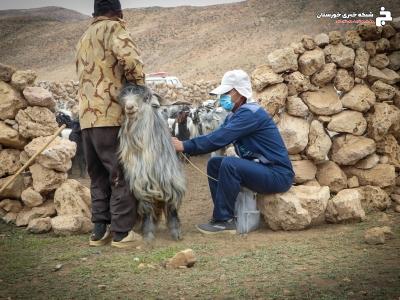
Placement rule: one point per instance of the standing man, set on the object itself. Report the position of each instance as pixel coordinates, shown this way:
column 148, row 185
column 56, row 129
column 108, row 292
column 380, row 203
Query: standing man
column 263, row 165
column 106, row 59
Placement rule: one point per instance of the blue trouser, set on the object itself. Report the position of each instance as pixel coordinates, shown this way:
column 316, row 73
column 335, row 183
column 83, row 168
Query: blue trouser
column 234, row 172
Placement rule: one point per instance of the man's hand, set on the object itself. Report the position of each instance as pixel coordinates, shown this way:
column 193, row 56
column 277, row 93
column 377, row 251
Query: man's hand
column 178, row 145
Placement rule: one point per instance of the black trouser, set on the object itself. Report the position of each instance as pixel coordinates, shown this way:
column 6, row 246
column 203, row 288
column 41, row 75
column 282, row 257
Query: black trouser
column 112, row 201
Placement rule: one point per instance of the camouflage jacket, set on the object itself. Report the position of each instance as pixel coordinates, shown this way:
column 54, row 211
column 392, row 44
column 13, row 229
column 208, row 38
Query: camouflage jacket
column 106, row 57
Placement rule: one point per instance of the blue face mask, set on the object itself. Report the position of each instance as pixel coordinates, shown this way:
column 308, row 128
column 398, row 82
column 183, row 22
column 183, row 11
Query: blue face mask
column 226, row 102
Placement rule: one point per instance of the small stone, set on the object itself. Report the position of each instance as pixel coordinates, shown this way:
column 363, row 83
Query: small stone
column 182, row 258
column 352, row 182
column 378, row 235
column 58, row 267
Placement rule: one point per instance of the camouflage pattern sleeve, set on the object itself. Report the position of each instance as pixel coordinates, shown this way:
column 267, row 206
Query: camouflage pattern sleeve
column 127, row 55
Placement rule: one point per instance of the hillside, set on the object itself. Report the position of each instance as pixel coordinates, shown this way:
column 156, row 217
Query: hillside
column 191, row 42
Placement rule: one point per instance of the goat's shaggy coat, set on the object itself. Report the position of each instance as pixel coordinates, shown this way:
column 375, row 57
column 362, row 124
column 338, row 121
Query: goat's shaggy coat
column 149, row 159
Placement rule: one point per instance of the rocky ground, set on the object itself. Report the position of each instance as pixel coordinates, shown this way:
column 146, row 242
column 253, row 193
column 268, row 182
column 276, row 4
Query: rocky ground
column 323, row 262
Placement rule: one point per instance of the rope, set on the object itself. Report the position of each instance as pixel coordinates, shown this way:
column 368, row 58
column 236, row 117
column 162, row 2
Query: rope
column 197, row 168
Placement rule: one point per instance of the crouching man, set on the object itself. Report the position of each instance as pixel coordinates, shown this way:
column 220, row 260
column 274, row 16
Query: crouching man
column 106, row 58
column 263, row 165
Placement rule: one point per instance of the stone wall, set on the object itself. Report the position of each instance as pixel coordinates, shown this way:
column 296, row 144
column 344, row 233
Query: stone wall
column 336, row 100
column 41, row 198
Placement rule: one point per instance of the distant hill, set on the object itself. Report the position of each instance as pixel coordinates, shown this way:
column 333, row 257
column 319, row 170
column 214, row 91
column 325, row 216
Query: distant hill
column 190, row 42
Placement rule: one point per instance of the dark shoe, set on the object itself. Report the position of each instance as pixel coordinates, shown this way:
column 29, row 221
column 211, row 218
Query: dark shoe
column 100, row 236
column 132, row 239
column 214, row 227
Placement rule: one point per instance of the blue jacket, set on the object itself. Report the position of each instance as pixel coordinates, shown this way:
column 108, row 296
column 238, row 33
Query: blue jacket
column 253, row 133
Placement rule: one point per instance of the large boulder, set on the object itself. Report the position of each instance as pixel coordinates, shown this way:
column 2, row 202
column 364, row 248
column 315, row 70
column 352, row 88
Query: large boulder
column 273, row 98
column 352, row 39
column 341, row 55
column 324, row 75
column 368, row 162
column 389, row 146
column 56, row 156
column 304, row 170
column 325, row 101
column 360, row 98
column 344, row 81
column 374, row 198
column 264, row 76
column 294, row 132
column 348, row 149
column 308, row 42
column 297, row 83
column 348, row 121
column 321, row 39
column 345, row 207
column 40, row 225
column 383, row 120
column 379, row 61
column 383, row 91
column 386, row 75
column 311, row 61
column 38, row 96
column 319, row 142
column 27, row 214
column 31, row 198
column 330, row 174
column 14, row 189
column 282, row 60
column 296, row 209
column 9, row 205
column 22, row 79
column 6, row 72
column 11, row 101
column 369, row 32
column 361, row 63
column 10, row 137
column 46, row 180
column 36, row 121
column 382, row 175
column 296, row 107
column 394, row 61
column 10, row 164
column 72, row 198
column 71, row 224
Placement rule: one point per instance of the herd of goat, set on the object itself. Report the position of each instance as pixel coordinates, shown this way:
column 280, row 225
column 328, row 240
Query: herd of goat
column 184, row 122
column 150, row 163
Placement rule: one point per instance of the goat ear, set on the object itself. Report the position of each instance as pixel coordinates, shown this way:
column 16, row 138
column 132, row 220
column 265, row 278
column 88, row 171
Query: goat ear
column 154, row 102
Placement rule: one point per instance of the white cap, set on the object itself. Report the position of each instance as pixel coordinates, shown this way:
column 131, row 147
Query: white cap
column 236, row 79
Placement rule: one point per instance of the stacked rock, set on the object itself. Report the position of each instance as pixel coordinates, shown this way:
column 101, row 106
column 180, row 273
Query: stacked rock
column 336, row 100
column 194, row 93
column 198, row 91
column 41, row 198
column 64, row 94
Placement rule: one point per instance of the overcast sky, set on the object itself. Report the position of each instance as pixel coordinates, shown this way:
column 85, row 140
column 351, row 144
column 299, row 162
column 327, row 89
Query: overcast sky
column 86, row 6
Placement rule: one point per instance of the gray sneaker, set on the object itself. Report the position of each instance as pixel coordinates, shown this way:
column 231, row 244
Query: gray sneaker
column 214, row 227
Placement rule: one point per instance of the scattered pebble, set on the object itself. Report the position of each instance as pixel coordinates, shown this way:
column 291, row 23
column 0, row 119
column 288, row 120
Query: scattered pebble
column 58, row 267
column 136, row 259
column 102, row 286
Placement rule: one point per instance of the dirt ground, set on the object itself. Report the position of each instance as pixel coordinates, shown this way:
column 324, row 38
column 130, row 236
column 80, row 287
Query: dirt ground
column 325, row 262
